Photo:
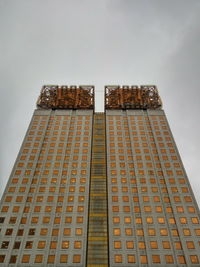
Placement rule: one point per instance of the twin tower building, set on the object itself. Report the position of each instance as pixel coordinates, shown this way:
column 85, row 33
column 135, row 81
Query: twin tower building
column 99, row 189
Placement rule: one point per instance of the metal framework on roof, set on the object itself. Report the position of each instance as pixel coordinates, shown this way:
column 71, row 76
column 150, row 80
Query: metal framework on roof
column 64, row 97
column 132, row 97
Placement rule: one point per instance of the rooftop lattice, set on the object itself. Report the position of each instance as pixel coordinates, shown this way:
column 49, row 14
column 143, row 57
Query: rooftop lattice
column 64, row 97
column 132, row 97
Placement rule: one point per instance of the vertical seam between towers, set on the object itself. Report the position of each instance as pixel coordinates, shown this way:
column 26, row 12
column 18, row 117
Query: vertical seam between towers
column 106, row 161
column 97, row 237
column 86, row 261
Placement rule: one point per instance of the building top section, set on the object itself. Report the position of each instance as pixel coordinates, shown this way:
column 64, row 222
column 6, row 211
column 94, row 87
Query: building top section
column 64, row 97
column 132, row 97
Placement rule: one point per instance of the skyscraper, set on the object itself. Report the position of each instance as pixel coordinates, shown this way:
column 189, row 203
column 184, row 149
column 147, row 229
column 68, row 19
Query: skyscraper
column 99, row 189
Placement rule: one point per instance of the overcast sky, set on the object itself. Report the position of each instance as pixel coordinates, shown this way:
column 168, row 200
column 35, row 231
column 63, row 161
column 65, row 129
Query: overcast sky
column 100, row 42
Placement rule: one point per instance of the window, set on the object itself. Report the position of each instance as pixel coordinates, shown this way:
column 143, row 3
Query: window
column 63, row 258
column 178, row 245
column 2, row 219
column 154, row 244
column 41, row 244
column 17, row 245
column 186, row 232
column 43, row 231
column 129, row 244
column 29, row 244
column 2, row 258
column 118, row 258
column 51, row 259
column 25, row 258
column 169, row 259
column 190, row 244
column 53, row 244
column 163, row 232
column 141, row 245
column 76, row 258
column 9, row 231
column 116, row 220
column 79, row 231
column 166, row 244
column 38, row 258
column 128, row 231
column 194, row 259
column 13, row 259
column 131, row 258
column 31, row 231
column 143, row 259
column 116, row 231
column 181, row 259
column 55, row 232
column 156, row 258
column 5, row 244
column 117, row 244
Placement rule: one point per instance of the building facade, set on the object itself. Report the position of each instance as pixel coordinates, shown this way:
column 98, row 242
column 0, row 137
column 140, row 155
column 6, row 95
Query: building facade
column 99, row 189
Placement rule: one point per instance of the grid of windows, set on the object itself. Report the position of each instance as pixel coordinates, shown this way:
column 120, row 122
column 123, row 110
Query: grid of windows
column 153, row 216
column 149, row 198
column 44, row 208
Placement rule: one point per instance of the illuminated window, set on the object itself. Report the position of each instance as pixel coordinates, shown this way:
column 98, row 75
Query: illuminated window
column 147, row 209
column 143, row 259
column 63, row 258
column 116, row 231
column 65, row 244
column 131, row 258
column 129, row 244
column 141, row 245
column 127, row 219
column 163, row 232
column 190, row 244
column 178, row 245
column 79, row 231
column 38, row 258
column 66, row 231
column 117, row 244
column 41, row 244
column 118, row 258
column 154, row 244
column 166, row 244
column 51, row 259
column 140, row 232
column 156, row 258
column 116, row 219
column 175, row 232
column 169, row 259
column 55, row 232
column 181, row 259
column 195, row 220
column 128, row 231
column 186, row 232
column 76, row 258
column 149, row 220
column 194, row 259
column 179, row 209
column 53, row 244
column 25, row 258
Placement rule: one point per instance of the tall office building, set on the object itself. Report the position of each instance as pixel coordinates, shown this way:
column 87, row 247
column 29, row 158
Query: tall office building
column 99, row 189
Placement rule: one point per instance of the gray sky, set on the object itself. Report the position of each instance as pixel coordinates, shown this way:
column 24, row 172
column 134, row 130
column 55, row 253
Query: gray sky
column 100, row 42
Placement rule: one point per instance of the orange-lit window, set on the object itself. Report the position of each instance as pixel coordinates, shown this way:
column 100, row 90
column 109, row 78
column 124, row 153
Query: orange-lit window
column 143, row 259
column 117, row 244
column 63, row 258
column 118, row 258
